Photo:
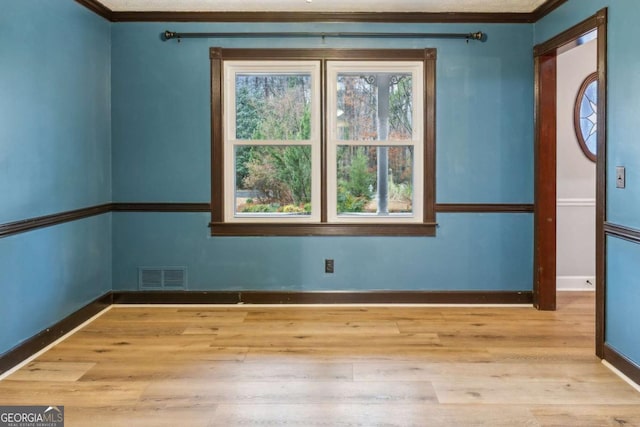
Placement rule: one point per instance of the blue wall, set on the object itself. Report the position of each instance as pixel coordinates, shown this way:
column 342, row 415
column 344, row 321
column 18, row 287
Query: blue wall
column 55, row 155
column 623, row 128
column 495, row 247
column 101, row 100
column 623, row 297
column 50, row 273
column 55, row 89
column 161, row 137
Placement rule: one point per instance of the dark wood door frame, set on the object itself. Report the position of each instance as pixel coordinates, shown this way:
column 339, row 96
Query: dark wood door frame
column 544, row 291
column 545, row 168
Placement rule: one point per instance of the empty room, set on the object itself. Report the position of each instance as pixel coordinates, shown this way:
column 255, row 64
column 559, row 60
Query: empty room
column 319, row 213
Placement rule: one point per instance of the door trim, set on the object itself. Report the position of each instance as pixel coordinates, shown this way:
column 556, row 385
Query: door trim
column 545, row 168
column 544, row 285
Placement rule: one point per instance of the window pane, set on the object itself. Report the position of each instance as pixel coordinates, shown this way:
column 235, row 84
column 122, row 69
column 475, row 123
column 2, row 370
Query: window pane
column 273, row 107
column 589, row 117
column 361, row 189
column 374, row 106
column 273, row 180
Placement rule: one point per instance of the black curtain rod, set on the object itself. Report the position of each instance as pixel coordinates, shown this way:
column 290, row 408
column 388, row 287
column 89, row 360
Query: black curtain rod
column 168, row 35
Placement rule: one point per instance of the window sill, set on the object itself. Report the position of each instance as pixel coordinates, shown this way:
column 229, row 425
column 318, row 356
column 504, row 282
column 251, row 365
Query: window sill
column 315, row 229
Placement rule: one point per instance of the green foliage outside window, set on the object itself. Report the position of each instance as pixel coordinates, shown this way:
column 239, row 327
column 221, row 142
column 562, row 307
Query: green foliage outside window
column 275, row 107
column 355, row 181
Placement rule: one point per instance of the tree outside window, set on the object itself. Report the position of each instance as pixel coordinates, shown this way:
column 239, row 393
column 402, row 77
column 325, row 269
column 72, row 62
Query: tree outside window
column 305, row 142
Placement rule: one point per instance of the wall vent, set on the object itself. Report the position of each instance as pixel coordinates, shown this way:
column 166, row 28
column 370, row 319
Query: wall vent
column 162, row 278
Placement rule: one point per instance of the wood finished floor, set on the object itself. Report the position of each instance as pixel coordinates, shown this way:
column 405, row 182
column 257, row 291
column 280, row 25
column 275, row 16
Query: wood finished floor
column 330, row 366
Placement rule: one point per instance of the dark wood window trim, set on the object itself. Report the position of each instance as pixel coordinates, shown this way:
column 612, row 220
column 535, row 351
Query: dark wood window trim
column 593, row 77
column 322, row 229
column 221, row 228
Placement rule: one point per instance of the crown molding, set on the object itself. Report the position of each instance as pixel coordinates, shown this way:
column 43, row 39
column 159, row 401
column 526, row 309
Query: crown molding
column 373, row 17
column 98, row 8
column 546, row 8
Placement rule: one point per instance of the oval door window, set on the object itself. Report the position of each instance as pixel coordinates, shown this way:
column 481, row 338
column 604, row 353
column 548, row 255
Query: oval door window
column 585, row 116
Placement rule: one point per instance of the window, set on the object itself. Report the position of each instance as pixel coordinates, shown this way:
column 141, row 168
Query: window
column 323, row 142
column 272, row 141
column 585, row 116
column 374, row 141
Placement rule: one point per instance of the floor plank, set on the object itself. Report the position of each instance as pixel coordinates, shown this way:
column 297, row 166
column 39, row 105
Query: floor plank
column 52, row 371
column 290, row 392
column 388, row 415
column 331, row 366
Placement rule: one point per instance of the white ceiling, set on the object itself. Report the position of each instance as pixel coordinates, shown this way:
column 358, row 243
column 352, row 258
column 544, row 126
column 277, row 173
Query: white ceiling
column 492, row 6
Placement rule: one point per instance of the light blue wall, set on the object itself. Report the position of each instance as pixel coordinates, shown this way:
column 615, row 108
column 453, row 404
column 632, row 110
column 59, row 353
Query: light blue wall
column 623, row 128
column 623, row 206
column 495, row 247
column 49, row 273
column 161, row 140
column 623, row 91
column 161, row 110
column 623, row 297
column 62, row 79
column 55, row 84
column 55, row 155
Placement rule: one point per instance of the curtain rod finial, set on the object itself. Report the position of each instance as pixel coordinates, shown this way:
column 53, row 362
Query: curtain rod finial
column 478, row 36
column 168, row 35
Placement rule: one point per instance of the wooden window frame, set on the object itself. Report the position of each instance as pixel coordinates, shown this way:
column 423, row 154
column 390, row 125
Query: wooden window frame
column 591, row 78
column 218, row 225
column 310, row 68
column 333, row 142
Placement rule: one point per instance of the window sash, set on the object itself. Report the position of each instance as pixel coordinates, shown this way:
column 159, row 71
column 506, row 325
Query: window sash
column 416, row 68
column 233, row 68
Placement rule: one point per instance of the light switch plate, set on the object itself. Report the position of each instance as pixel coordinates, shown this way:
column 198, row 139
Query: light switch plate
column 620, row 177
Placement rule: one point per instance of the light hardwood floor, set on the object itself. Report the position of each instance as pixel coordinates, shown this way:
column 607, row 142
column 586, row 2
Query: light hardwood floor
column 331, row 366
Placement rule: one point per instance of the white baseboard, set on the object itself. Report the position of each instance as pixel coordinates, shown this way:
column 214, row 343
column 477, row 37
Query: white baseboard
column 575, row 283
column 621, row 375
